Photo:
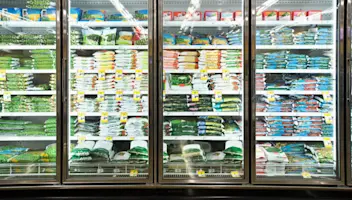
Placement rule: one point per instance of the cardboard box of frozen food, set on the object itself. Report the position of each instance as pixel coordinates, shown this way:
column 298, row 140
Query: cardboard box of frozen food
column 211, row 16
column 314, row 15
column 179, row 16
column 269, row 15
column 196, row 16
column 167, row 15
column 284, row 15
column 227, row 16
column 299, row 15
column 238, row 16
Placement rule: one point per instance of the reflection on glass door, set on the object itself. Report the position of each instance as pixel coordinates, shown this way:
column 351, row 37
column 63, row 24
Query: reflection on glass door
column 27, row 90
column 108, row 89
column 296, row 89
column 203, row 90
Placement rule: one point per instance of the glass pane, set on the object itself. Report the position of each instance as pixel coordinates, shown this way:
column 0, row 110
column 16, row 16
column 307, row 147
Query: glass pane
column 296, row 89
column 108, row 89
column 203, row 93
column 28, row 90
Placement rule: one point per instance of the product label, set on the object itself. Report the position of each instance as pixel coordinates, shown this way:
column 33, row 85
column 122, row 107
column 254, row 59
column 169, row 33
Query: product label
column 306, row 175
column 104, row 117
column 225, row 74
column 101, row 75
column 235, row 174
column 218, row 95
column 201, row 173
column 108, row 138
column 80, row 73
column 138, row 74
column 133, row 173
column 327, row 142
column 327, row 96
column 195, row 95
column 203, row 75
column 81, row 117
column 123, row 117
column 101, row 95
column 118, row 75
column 328, row 118
column 7, row 96
column 119, row 95
column 80, row 96
column 2, row 75
column 136, row 95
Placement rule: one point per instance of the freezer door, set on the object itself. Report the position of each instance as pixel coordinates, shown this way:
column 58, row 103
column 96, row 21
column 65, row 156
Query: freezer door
column 202, row 69
column 297, row 95
column 108, row 132
column 29, row 121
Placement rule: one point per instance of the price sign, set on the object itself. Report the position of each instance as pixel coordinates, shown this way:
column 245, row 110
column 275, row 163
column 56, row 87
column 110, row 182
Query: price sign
column 201, row 173
column 134, row 173
column 271, row 98
column 203, row 75
column 104, row 117
column 81, row 138
column 101, row 75
column 118, row 75
column 119, row 94
column 108, row 138
column 80, row 73
column 195, row 96
column 327, row 142
column 123, row 117
column 136, row 95
column 101, row 95
column 138, row 74
column 270, row 93
column 2, row 75
column 218, row 95
column 235, row 174
column 80, row 96
column 327, row 96
column 81, row 117
column 306, row 175
column 7, row 96
column 225, row 74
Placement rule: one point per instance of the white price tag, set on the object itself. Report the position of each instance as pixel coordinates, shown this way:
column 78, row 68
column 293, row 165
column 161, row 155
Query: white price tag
column 7, row 96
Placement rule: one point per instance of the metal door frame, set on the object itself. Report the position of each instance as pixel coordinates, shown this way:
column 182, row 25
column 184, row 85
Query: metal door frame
column 246, row 98
column 66, row 179
column 340, row 115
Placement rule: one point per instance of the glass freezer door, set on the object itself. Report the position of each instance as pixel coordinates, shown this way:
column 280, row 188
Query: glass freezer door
column 202, row 91
column 108, row 90
column 296, row 90
column 27, row 91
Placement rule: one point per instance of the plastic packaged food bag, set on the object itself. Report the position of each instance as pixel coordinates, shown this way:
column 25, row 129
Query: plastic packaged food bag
column 91, row 37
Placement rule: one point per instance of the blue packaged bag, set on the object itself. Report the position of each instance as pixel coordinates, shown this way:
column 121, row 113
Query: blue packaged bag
column 48, row 14
column 93, row 15
column 75, row 14
column 116, row 17
column 31, row 14
column 11, row 14
column 141, row 15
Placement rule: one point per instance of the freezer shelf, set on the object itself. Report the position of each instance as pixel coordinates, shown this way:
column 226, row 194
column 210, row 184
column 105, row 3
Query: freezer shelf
column 105, row 47
column 27, row 47
column 27, row 138
column 21, row 170
column 97, row 114
column 293, row 138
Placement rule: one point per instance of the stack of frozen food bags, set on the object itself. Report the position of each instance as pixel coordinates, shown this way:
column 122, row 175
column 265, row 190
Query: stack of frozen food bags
column 259, row 61
column 104, row 60
column 282, row 36
column 88, row 105
column 85, row 83
column 102, row 151
column 145, row 104
column 128, row 83
column 137, row 126
column 126, row 59
column 260, row 161
column 49, row 39
column 50, row 126
column 139, row 152
column 198, row 83
column 319, row 62
column 209, row 59
column 76, row 37
column 188, row 60
column 278, row 103
column 88, row 128
column 43, row 59
column 325, row 105
column 261, row 127
column 82, row 152
column 263, row 37
column 304, row 38
column 170, row 59
column 193, row 153
column 276, row 160
column 107, row 84
column 82, row 62
column 180, row 81
column 324, row 83
column 142, row 84
column 234, row 152
column 124, row 38
column 42, row 4
column 113, row 127
column 175, row 103
column 52, row 82
column 19, row 82
column 202, row 105
column 275, row 60
column 166, row 128
column 227, row 104
column 109, row 104
column 323, row 36
column 231, row 59
column 232, row 126
column 306, row 103
column 142, row 60
column 43, row 104
column 12, row 127
column 210, row 126
column 306, row 83
column 308, row 126
column 217, row 82
column 8, row 39
column 327, row 127
column 129, row 104
column 35, row 130
column 182, row 127
column 8, row 62
column 234, row 37
column 296, row 61
column 260, row 82
column 280, row 126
